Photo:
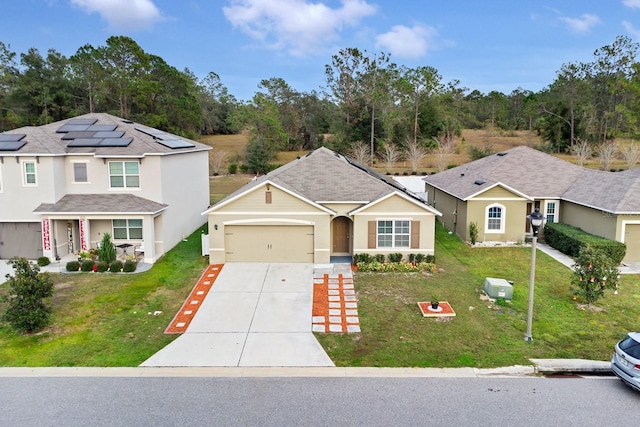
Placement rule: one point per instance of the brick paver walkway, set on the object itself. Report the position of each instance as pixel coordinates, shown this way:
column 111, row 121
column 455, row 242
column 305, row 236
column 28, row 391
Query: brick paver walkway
column 335, row 305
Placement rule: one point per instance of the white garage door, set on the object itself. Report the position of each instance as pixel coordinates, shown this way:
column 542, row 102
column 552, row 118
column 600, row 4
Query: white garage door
column 269, row 243
column 632, row 239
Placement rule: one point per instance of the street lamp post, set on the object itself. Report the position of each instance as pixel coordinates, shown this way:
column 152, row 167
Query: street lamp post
column 536, row 219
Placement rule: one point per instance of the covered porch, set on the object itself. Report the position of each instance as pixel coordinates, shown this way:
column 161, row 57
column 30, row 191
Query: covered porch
column 77, row 223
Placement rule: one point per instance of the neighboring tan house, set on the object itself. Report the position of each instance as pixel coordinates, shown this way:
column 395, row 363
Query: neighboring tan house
column 64, row 184
column 319, row 206
column 497, row 192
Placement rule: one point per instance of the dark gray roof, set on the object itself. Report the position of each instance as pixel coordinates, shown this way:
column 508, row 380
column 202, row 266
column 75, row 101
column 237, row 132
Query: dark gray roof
column 45, row 140
column 101, row 204
column 326, row 176
column 538, row 175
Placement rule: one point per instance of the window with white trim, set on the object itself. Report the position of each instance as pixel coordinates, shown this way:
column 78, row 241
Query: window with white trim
column 80, row 172
column 29, row 173
column 124, row 174
column 551, row 211
column 393, row 233
column 127, row 229
column 494, row 222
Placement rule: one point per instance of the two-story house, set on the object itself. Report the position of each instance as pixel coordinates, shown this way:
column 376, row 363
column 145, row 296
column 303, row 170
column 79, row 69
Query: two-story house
column 64, row 184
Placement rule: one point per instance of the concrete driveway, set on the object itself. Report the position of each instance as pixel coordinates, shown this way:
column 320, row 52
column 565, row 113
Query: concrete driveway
column 256, row 314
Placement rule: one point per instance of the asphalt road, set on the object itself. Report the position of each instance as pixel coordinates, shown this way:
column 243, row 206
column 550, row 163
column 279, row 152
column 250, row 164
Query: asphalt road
column 170, row 401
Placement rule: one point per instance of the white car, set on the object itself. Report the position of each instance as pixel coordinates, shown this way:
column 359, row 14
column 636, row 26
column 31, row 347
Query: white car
column 625, row 362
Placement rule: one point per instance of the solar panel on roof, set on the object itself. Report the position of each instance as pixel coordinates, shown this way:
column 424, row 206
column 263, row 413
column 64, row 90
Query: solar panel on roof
column 110, row 134
column 116, row 142
column 82, row 121
column 72, row 128
column 11, row 136
column 175, row 143
column 102, row 128
column 74, row 135
column 100, row 142
column 150, row 131
column 11, row 145
column 85, row 142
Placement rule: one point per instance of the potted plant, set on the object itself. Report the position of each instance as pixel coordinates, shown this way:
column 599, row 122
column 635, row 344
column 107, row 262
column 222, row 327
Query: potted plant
column 435, row 302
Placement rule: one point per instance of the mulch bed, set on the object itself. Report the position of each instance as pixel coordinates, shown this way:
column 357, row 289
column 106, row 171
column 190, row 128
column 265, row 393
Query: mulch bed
column 185, row 315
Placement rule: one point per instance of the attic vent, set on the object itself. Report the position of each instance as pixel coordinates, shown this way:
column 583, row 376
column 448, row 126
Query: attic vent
column 504, row 153
column 127, row 121
column 479, row 182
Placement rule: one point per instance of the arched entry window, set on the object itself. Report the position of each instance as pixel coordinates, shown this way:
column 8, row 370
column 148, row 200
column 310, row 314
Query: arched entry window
column 494, row 219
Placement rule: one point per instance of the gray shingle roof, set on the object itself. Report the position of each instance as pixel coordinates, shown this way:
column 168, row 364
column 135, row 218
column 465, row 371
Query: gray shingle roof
column 539, row 175
column 326, row 176
column 101, row 204
column 44, row 140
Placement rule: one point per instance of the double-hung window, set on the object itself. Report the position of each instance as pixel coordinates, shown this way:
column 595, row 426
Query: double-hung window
column 29, row 173
column 551, row 212
column 394, row 233
column 495, row 219
column 124, row 174
column 127, row 229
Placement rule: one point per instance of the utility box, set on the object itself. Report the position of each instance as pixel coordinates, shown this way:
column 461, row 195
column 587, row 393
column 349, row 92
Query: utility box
column 498, row 288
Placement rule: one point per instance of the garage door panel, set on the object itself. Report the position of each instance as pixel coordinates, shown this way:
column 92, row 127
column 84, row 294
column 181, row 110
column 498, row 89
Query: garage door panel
column 632, row 239
column 21, row 239
column 269, row 243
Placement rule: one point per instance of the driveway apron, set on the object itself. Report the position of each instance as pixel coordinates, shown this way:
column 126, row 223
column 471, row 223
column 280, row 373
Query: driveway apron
column 256, row 314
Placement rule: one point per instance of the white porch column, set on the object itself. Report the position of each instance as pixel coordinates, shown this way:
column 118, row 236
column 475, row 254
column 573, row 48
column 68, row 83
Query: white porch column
column 85, row 233
column 149, row 238
column 47, row 239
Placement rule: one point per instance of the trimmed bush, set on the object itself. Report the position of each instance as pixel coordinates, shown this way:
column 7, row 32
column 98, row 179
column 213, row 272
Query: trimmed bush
column 43, row 260
column 102, row 266
column 73, row 266
column 233, row 168
column 570, row 240
column 379, row 257
column 115, row 267
column 87, row 265
column 129, row 266
column 397, row 257
column 358, row 258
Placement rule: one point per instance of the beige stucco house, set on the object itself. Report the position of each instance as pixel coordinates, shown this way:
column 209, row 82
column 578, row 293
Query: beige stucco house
column 497, row 193
column 316, row 207
column 64, row 184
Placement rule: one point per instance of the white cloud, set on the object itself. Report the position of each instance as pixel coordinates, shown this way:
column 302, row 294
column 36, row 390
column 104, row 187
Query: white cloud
column 582, row 24
column 299, row 26
column 635, row 32
column 405, row 42
column 634, row 4
column 123, row 14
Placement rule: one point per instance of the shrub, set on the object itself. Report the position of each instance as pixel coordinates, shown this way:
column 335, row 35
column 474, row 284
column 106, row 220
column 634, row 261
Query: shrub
column 73, row 266
column 570, row 240
column 397, row 257
column 233, row 168
column 358, row 258
column 115, row 267
column 593, row 272
column 107, row 251
column 43, row 260
column 129, row 266
column 26, row 309
column 102, row 266
column 87, row 265
column 473, row 232
column 379, row 257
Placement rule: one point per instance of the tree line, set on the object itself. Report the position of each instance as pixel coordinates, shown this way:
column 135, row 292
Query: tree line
column 371, row 107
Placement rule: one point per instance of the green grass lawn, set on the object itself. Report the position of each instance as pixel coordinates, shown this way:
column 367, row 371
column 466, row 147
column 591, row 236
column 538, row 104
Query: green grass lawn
column 482, row 334
column 104, row 320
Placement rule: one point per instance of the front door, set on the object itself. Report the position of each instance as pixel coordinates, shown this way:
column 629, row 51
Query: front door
column 341, row 235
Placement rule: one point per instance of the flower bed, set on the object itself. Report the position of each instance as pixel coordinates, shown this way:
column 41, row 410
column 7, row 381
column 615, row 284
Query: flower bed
column 389, row 267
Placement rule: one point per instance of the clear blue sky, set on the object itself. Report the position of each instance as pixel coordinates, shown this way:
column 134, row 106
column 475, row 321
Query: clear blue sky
column 487, row 45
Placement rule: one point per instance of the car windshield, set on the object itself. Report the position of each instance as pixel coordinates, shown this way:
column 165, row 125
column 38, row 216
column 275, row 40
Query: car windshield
column 631, row 347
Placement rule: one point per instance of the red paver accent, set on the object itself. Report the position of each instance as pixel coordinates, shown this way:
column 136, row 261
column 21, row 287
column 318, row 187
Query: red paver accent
column 322, row 298
column 446, row 311
column 185, row 315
